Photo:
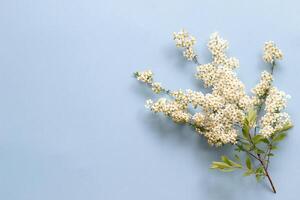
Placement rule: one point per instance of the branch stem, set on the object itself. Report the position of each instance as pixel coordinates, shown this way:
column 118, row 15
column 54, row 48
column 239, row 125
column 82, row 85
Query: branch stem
column 267, row 174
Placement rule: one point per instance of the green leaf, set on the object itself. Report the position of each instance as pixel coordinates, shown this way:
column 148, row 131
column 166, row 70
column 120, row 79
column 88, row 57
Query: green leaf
column 257, row 139
column 279, row 137
column 259, row 170
column 259, row 151
column 247, row 147
column 265, row 140
column 270, row 154
column 258, row 177
column 226, row 160
column 248, row 163
column 228, row 170
column 251, row 117
column 219, row 165
column 226, row 164
column 246, row 129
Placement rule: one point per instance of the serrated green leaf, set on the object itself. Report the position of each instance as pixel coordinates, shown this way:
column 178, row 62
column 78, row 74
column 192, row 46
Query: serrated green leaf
column 279, row 137
column 248, row 163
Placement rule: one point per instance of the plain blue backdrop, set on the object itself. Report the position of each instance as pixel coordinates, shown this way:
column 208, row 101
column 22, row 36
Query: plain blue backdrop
column 72, row 119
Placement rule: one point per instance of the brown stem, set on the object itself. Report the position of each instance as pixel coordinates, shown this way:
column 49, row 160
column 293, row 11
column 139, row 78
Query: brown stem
column 258, row 157
column 267, row 175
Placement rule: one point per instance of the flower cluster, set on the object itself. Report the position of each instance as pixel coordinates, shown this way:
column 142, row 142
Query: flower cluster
column 271, row 52
column 274, row 119
column 147, row 77
column 184, row 40
column 263, row 86
column 217, row 47
column 225, row 108
column 156, row 87
column 169, row 108
column 261, row 89
column 227, row 114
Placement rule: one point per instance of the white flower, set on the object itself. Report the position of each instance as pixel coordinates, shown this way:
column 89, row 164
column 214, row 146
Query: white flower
column 271, row 52
column 149, row 103
column 171, row 109
column 198, row 119
column 274, row 120
column 145, row 76
column 276, row 100
column 184, row 40
column 267, row 131
column 156, row 87
column 264, row 85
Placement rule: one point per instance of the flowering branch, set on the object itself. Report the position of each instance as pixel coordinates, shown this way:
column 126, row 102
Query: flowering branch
column 228, row 115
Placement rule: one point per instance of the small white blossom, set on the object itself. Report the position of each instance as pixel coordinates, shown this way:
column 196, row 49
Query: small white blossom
column 271, row 52
column 218, row 47
column 145, row 76
column 267, row 131
column 264, row 85
column 276, row 100
column 198, row 119
column 274, row 120
column 156, row 87
column 184, row 40
column 171, row 109
column 149, row 103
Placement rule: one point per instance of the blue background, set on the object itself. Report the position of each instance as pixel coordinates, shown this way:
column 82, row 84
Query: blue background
column 72, row 119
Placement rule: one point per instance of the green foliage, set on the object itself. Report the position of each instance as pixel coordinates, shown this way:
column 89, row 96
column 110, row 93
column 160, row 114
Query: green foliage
column 258, row 150
column 246, row 129
column 257, row 146
column 251, row 117
column 279, row 137
column 258, row 138
column 248, row 163
column 226, row 165
column 259, row 173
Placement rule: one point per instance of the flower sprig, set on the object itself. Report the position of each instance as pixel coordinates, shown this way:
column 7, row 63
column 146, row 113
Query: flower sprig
column 254, row 124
